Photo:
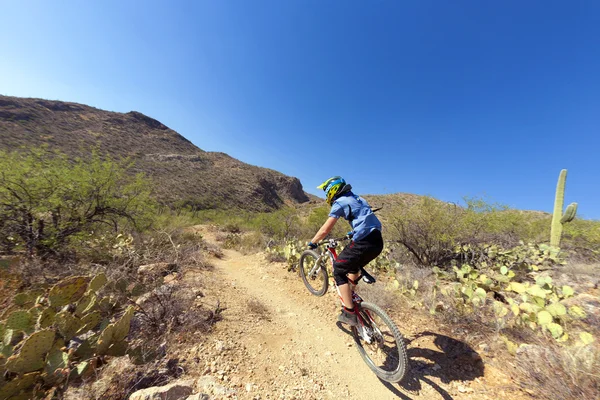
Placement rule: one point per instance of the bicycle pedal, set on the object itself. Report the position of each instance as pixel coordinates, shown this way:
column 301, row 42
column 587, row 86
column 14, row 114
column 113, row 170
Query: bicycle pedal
column 368, row 278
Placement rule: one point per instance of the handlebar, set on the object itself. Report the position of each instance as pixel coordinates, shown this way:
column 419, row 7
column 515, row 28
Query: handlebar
column 343, row 238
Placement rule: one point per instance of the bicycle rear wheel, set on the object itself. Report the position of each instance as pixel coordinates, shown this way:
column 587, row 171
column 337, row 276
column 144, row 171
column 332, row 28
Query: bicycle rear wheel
column 381, row 344
column 316, row 282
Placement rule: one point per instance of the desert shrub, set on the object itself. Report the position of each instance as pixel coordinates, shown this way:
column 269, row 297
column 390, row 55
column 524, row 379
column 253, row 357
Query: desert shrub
column 48, row 201
column 582, row 239
column 252, row 242
column 172, row 308
column 430, row 230
column 281, row 224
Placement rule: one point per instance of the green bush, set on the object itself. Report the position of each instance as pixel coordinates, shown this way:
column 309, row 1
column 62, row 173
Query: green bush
column 47, row 201
column 582, row 237
column 430, row 229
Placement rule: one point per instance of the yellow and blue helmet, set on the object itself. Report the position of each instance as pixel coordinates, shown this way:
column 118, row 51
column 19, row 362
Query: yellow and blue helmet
column 333, row 187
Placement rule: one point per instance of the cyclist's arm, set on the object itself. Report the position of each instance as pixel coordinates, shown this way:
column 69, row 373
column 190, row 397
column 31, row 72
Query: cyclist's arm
column 325, row 229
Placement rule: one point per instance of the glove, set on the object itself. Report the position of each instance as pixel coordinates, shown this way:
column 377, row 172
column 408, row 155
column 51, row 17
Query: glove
column 312, row 246
column 350, row 234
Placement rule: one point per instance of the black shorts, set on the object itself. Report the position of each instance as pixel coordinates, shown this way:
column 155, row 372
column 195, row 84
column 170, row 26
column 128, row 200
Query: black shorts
column 356, row 255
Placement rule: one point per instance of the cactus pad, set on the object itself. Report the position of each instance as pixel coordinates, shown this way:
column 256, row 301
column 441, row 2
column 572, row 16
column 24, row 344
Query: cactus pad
column 67, row 291
column 115, row 333
column 81, row 369
column 86, row 303
column 31, row 356
column 20, row 321
column 106, row 305
column 105, row 339
column 12, row 337
column 18, row 384
column 67, row 324
column 56, row 361
column 27, row 299
column 46, row 318
column 98, row 282
column 122, row 326
column 118, row 349
column 89, row 321
column 35, row 312
column 86, row 349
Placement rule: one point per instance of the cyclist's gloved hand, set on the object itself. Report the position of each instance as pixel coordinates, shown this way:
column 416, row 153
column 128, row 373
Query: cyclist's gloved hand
column 350, row 234
column 311, row 245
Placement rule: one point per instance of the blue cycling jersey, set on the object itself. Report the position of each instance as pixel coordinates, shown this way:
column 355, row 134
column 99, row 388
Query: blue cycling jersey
column 357, row 211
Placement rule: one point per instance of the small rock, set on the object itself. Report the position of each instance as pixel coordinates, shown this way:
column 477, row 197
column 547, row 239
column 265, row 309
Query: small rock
column 170, row 279
column 174, row 391
column 198, row 396
column 440, row 306
column 327, row 354
column 209, row 384
column 219, row 346
column 248, row 387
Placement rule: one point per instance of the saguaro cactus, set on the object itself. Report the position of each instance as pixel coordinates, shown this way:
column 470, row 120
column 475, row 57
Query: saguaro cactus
column 558, row 219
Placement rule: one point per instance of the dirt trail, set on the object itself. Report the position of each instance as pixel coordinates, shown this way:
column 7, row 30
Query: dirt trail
column 276, row 341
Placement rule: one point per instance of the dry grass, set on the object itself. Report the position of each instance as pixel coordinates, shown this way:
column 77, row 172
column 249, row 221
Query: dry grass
column 258, row 309
column 376, row 293
column 549, row 371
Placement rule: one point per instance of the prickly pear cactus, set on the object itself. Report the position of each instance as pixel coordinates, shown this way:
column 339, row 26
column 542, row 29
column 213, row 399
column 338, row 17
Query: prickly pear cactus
column 98, row 282
column 89, row 322
column 12, row 388
column 36, row 328
column 20, row 321
column 57, row 364
column 86, row 303
column 67, row 324
column 33, row 350
column 67, row 291
column 27, row 299
column 115, row 334
column 46, row 318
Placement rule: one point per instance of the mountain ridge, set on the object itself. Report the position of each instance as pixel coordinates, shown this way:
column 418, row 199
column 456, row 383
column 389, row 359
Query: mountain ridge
column 184, row 174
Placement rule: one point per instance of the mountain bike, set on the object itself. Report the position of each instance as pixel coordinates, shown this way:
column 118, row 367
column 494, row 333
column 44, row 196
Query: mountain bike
column 377, row 337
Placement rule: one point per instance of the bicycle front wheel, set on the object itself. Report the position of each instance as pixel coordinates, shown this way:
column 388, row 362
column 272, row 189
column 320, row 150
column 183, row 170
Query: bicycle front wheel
column 381, row 344
column 313, row 270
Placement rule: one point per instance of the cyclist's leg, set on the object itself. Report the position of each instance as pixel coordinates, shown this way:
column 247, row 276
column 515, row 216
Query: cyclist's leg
column 346, row 266
column 354, row 257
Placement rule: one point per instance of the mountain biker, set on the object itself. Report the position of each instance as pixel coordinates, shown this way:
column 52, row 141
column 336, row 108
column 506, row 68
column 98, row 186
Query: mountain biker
column 366, row 245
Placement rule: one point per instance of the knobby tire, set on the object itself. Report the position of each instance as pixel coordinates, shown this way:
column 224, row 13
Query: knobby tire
column 307, row 260
column 397, row 373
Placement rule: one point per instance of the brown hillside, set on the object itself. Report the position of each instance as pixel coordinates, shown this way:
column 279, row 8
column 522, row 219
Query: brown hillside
column 183, row 173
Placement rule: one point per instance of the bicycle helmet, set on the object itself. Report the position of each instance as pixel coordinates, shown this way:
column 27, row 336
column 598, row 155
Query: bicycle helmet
column 333, row 188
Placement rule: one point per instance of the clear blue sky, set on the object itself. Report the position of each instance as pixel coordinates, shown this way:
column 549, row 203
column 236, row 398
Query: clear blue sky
column 429, row 97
